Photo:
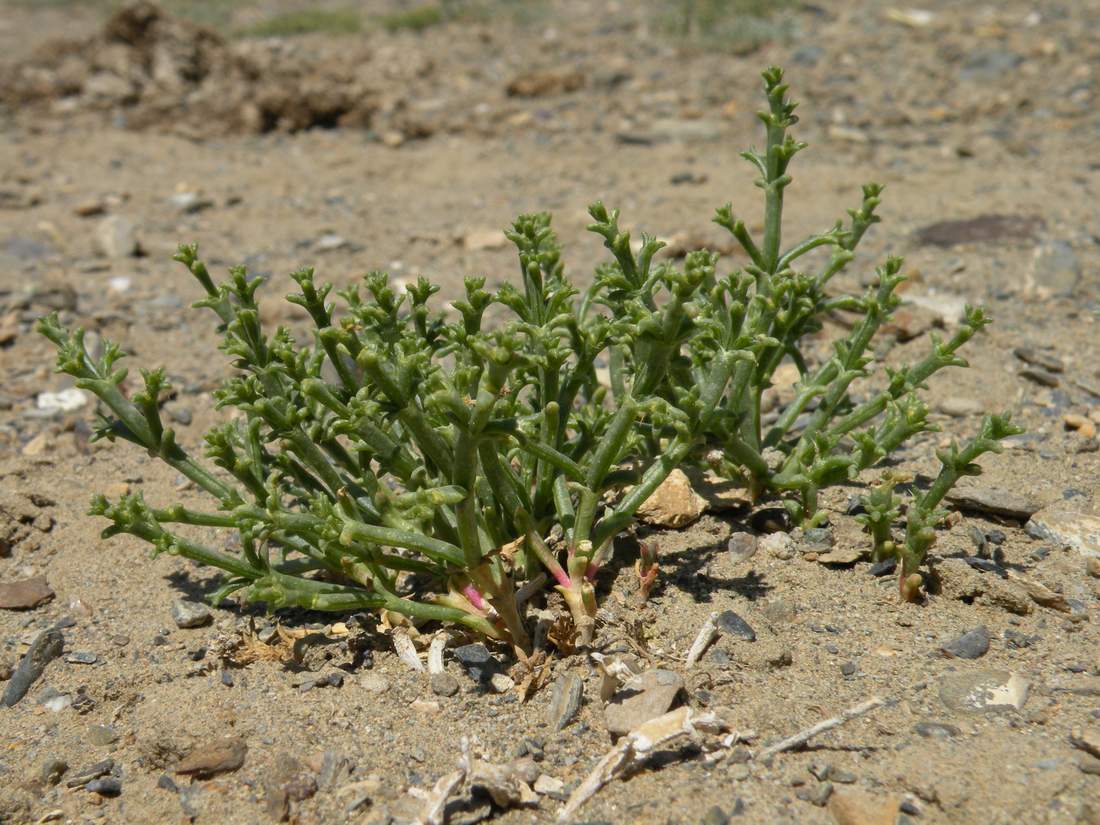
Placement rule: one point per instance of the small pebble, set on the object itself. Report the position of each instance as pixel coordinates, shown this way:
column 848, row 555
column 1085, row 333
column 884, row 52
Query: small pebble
column 191, row 614
column 733, row 625
column 81, row 658
column 106, row 786
column 971, row 645
column 443, row 684
column 848, row 668
column 935, row 730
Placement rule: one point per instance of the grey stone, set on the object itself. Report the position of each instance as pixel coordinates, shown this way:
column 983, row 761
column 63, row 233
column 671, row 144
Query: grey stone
column 957, row 407
column 778, row 545
column 85, row 775
column 983, row 691
column 715, row 816
column 647, row 697
column 1078, row 531
column 443, row 684
column 102, row 735
column 478, row 662
column 816, row 794
column 82, row 657
column 971, row 645
column 816, row 540
column 733, row 625
column 849, row 668
column 46, row 647
column 1055, row 268
column 982, row 229
column 115, row 237
column 52, row 771
column 1038, row 358
column 565, row 700
column 1040, row 376
column 989, row 64
column 935, row 730
column 995, row 501
column 191, row 614
column 742, row 546
column 105, row 786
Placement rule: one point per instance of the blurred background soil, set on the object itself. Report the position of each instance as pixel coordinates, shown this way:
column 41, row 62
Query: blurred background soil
column 404, row 137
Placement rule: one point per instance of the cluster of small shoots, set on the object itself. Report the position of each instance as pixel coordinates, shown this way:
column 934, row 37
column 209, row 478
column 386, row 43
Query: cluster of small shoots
column 441, row 464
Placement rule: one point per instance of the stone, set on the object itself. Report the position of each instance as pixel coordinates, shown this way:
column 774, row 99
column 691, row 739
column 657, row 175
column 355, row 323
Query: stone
column 547, row 784
column 721, row 495
column 959, row 580
column 935, row 730
column 1038, row 358
column 190, row 203
column 994, row 501
column 25, row 593
column 982, row 229
column 105, row 786
column 673, row 130
column 565, row 700
column 191, row 614
column 1067, row 528
column 478, row 662
column 733, row 625
column 212, row 758
column 1055, row 270
column 673, row 504
column 443, row 684
column 52, row 771
column 971, row 645
column 1082, row 425
column 848, row 806
column 115, row 237
column 373, row 682
column 479, row 239
column 1040, row 376
column 1088, row 764
column 1087, row 740
column 778, row 545
column 85, row 775
column 958, row 407
column 82, row 657
column 983, row 691
column 543, row 83
column 742, row 546
column 646, row 697
column 102, row 735
column 46, row 647
column 817, row 794
column 290, row 781
column 68, row 400
column 843, row 555
column 1092, row 567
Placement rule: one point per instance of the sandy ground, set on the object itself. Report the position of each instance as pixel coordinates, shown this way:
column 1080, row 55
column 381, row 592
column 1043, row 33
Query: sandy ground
column 975, row 111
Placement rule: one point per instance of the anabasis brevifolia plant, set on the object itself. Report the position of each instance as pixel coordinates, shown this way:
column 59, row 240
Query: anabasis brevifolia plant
column 737, row 330
column 409, row 460
column 440, row 465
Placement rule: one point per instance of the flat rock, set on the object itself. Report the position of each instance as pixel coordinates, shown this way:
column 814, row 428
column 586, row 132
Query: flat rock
column 1078, row 531
column 959, row 580
column 1038, row 358
column 971, row 645
column 742, row 546
column 848, row 806
column 733, row 625
column 983, row 691
column 720, row 495
column 565, row 700
column 214, row 757
column 1086, row 739
column 25, row 594
column 46, row 647
column 935, row 730
column 1055, row 269
column 981, row 229
column 443, row 684
column 845, row 554
column 640, row 700
column 115, row 237
column 191, row 614
column 673, row 504
column 958, row 407
column 995, row 501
